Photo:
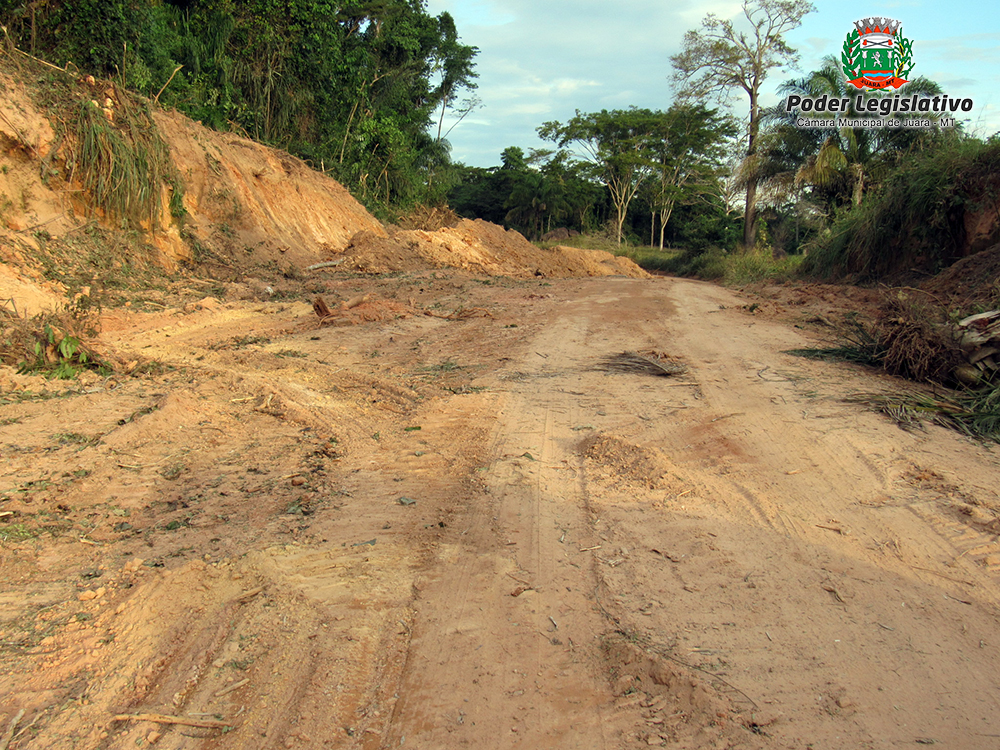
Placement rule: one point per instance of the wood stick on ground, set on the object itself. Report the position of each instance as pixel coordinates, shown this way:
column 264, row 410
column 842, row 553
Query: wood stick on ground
column 248, row 595
column 9, row 734
column 325, row 264
column 942, row 575
column 321, row 309
column 231, row 688
column 355, row 301
column 831, row 528
column 182, row 720
column 461, row 314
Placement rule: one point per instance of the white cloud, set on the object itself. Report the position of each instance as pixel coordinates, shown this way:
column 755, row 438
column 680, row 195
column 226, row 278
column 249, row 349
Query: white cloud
column 543, row 59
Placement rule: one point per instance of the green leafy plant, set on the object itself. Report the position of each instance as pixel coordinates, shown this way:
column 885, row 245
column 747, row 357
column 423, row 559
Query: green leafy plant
column 60, row 355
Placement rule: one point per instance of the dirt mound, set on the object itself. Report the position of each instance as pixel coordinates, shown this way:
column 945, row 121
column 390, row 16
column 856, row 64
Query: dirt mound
column 250, row 203
column 241, row 203
column 971, row 282
column 624, row 461
column 482, row 248
column 228, row 204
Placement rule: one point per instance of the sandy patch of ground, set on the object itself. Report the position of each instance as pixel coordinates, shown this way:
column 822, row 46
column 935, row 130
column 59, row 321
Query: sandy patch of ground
column 430, row 532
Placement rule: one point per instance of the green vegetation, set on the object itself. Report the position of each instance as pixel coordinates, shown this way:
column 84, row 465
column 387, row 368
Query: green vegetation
column 42, row 345
column 916, row 216
column 16, row 532
column 673, row 175
column 351, row 86
column 678, row 153
column 973, row 413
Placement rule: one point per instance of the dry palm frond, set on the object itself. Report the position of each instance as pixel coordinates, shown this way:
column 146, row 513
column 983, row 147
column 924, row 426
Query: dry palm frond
column 975, row 413
column 648, row 363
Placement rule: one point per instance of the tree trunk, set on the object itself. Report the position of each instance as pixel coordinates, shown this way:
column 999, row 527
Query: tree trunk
column 750, row 210
column 750, row 218
column 665, row 214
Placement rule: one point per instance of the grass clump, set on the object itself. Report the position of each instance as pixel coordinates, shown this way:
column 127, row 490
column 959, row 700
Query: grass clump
column 16, row 532
column 122, row 165
column 107, row 144
column 715, row 264
column 651, row 258
column 755, row 267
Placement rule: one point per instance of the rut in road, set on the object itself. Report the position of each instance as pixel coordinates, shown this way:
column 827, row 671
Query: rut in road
column 506, row 643
column 512, row 644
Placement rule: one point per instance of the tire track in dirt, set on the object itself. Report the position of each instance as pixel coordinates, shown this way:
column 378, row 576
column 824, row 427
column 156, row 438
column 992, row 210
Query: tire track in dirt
column 723, row 554
column 504, row 651
column 511, row 645
column 765, row 554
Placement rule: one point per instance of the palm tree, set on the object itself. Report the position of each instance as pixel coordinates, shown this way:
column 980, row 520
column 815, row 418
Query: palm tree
column 843, row 157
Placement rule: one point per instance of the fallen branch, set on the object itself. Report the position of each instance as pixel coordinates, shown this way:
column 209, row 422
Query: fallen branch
column 461, row 314
column 9, row 734
column 248, row 595
column 325, row 264
column 648, row 363
column 942, row 575
column 231, row 688
column 182, row 720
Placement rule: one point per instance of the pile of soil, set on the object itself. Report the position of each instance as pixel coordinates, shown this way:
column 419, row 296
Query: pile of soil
column 479, row 247
column 973, row 282
column 247, row 206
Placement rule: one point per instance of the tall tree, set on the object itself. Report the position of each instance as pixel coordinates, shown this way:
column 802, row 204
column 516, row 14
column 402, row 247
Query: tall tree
column 687, row 150
column 454, row 64
column 719, row 59
column 616, row 145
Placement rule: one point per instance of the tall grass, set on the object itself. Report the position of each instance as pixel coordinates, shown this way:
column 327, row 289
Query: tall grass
column 916, row 218
column 122, row 165
column 711, row 264
column 755, row 267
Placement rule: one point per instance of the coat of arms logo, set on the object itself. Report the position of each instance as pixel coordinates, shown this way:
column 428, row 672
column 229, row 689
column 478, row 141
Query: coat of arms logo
column 876, row 55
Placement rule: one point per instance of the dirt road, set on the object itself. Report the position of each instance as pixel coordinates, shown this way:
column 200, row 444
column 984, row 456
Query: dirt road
column 473, row 532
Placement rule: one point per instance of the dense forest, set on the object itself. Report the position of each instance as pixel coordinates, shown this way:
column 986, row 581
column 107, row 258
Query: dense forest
column 352, row 86
column 360, row 90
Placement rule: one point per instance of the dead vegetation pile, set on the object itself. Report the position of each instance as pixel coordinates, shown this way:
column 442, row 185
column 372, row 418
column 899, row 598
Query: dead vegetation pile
column 51, row 344
column 914, row 336
column 644, row 363
column 429, row 218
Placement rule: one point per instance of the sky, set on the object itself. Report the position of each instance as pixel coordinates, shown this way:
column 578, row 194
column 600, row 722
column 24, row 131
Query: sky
column 541, row 60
